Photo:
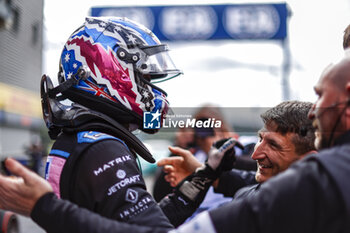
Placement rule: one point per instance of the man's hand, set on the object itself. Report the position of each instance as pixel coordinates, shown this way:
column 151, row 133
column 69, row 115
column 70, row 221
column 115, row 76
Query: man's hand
column 221, row 156
column 19, row 194
column 179, row 167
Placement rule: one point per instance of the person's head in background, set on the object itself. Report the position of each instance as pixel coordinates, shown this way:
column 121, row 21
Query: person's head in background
column 330, row 113
column 184, row 138
column 204, row 137
column 213, row 111
column 287, row 136
column 346, row 37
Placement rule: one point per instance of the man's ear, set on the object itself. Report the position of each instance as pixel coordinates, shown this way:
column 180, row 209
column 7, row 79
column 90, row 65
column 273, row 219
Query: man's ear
column 347, row 87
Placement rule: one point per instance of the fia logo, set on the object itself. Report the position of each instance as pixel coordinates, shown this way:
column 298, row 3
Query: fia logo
column 131, row 196
column 151, row 120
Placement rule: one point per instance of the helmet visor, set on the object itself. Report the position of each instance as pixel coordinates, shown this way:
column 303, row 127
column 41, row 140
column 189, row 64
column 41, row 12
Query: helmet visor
column 156, row 64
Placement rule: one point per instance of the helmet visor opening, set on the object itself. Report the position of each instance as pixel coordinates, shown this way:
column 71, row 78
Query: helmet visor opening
column 156, row 64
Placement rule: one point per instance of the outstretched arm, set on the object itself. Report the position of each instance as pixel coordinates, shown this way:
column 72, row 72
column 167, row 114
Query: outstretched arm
column 179, row 167
column 190, row 192
column 20, row 192
column 30, row 195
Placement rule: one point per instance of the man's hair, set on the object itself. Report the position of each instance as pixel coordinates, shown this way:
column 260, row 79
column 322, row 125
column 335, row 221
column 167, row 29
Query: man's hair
column 292, row 117
column 346, row 37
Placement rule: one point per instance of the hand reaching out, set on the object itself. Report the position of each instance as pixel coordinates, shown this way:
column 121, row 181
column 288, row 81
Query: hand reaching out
column 179, row 167
column 19, row 194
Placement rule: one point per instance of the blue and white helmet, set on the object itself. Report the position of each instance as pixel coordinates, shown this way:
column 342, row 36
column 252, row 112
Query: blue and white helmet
column 123, row 59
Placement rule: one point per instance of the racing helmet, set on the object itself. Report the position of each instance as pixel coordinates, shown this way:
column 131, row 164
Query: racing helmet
column 121, row 60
